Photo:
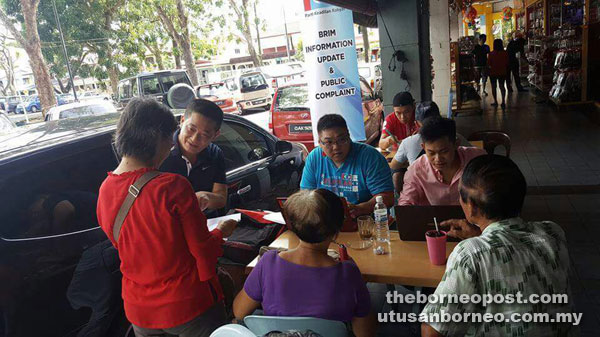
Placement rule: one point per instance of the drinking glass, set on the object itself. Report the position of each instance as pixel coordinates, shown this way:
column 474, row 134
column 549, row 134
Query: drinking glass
column 366, row 226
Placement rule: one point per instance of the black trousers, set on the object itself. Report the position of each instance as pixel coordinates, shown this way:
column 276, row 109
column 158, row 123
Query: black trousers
column 513, row 71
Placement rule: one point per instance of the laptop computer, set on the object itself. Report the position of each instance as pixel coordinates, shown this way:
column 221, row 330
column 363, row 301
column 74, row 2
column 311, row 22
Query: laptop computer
column 414, row 221
column 350, row 224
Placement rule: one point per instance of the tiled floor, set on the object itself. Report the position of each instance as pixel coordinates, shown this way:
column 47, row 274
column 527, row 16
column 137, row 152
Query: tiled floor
column 559, row 154
column 552, row 148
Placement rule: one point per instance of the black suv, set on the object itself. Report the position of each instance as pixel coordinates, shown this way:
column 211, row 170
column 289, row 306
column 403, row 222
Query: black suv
column 155, row 84
column 60, row 276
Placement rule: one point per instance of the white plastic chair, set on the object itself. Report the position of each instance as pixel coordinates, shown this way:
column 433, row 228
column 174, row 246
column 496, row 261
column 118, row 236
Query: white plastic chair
column 261, row 325
column 232, row 330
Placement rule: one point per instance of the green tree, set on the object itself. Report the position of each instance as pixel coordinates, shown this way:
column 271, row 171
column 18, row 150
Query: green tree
column 242, row 8
column 25, row 14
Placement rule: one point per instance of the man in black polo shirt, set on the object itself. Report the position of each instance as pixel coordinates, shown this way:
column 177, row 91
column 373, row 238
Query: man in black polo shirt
column 195, row 156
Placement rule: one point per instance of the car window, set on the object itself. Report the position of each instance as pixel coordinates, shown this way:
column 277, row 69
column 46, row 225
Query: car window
column 219, row 90
column 292, row 98
column 231, row 85
column 88, row 110
column 252, row 82
column 237, row 141
column 150, row 85
column 134, row 88
column 170, row 80
column 124, row 90
column 55, row 197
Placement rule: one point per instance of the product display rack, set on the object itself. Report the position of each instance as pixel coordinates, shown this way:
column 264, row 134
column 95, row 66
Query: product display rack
column 464, row 76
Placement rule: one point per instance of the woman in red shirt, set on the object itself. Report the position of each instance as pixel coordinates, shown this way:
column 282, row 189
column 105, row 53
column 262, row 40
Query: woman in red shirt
column 498, row 64
column 168, row 256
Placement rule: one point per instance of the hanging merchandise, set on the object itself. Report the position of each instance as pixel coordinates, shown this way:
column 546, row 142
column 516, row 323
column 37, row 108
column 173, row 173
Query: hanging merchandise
column 507, row 13
column 469, row 15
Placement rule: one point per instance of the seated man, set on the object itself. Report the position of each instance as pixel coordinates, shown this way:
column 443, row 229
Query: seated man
column 433, row 178
column 355, row 171
column 501, row 255
column 306, row 281
column 410, row 148
column 195, row 156
column 399, row 124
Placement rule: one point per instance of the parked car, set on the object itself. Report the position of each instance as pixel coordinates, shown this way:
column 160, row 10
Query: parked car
column 290, row 119
column 92, row 95
column 64, row 99
column 30, row 104
column 155, row 84
column 50, row 258
column 281, row 74
column 218, row 93
column 80, row 109
column 12, row 102
column 3, row 103
column 250, row 90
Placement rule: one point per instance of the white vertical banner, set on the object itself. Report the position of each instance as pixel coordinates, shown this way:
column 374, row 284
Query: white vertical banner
column 331, row 66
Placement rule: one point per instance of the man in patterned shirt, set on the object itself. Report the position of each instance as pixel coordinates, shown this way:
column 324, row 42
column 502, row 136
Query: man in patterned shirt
column 500, row 254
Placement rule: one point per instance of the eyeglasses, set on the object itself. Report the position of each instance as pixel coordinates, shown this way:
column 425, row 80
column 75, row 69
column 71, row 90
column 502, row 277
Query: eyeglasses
column 340, row 141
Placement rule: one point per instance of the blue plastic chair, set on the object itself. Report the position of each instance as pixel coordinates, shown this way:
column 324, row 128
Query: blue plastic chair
column 232, row 330
column 261, row 325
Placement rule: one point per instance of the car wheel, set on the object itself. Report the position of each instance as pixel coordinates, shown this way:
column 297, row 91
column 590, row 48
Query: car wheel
column 268, row 107
column 34, row 109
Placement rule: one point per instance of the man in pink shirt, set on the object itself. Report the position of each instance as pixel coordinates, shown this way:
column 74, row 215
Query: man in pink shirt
column 433, row 179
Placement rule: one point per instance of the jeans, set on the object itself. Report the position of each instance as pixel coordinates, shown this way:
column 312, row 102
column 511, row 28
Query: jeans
column 201, row 326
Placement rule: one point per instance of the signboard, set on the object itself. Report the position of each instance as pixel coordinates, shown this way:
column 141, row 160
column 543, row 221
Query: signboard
column 332, row 69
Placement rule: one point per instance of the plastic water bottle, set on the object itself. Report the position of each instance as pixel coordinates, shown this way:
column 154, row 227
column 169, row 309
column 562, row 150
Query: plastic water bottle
column 382, row 231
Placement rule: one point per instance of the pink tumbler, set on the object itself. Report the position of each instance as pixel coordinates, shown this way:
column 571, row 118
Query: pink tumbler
column 436, row 246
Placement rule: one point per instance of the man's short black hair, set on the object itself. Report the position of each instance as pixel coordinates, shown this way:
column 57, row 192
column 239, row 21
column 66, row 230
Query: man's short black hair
column 331, row 121
column 482, row 37
column 495, row 186
column 437, row 128
column 143, row 123
column 207, row 109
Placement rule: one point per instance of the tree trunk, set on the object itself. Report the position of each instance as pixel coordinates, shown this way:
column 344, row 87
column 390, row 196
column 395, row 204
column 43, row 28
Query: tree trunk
column 190, row 65
column 176, row 55
column 159, row 59
column 60, row 85
column 182, row 39
column 248, row 35
column 366, row 46
column 257, row 24
column 33, row 48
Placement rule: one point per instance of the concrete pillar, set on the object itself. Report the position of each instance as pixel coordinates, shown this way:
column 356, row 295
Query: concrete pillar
column 454, row 27
column 405, row 25
column 439, row 33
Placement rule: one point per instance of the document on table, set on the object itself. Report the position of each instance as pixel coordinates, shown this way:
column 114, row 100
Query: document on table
column 212, row 223
column 275, row 217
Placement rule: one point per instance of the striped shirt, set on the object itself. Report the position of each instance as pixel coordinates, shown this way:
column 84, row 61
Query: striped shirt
column 510, row 256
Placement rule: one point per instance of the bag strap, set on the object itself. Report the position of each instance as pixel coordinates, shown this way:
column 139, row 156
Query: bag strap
column 132, row 194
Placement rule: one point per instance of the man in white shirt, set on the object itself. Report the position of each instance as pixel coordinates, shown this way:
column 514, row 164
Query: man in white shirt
column 410, row 148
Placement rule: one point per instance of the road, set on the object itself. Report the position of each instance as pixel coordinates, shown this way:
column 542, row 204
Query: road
column 259, row 118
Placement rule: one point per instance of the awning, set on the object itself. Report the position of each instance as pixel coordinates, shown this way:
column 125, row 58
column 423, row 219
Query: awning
column 365, row 11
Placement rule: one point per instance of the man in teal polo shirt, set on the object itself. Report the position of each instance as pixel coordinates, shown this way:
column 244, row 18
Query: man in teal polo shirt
column 355, row 171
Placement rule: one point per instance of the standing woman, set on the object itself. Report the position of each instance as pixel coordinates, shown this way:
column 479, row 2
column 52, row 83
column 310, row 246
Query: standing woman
column 498, row 64
column 168, row 256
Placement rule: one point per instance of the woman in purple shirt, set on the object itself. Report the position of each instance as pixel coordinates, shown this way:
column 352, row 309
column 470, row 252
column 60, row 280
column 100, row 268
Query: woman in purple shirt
column 305, row 281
